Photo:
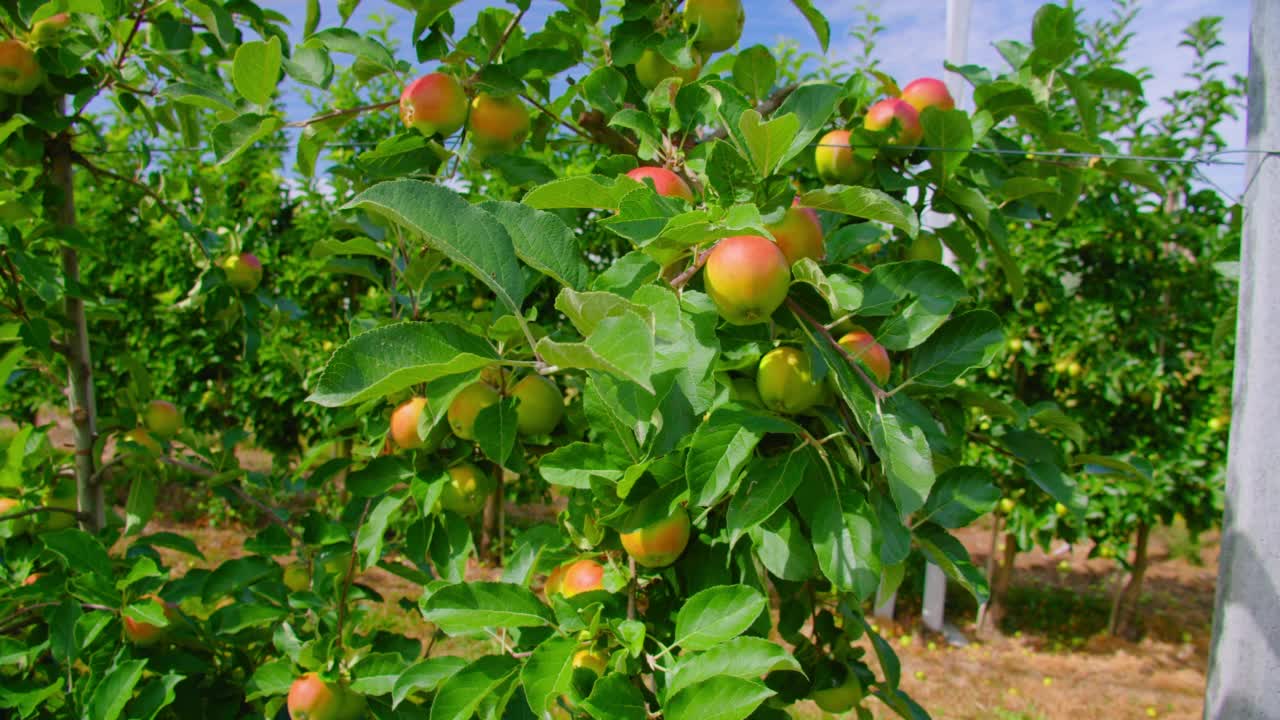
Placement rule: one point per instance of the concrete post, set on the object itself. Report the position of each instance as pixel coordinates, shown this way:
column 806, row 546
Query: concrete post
column 1244, row 659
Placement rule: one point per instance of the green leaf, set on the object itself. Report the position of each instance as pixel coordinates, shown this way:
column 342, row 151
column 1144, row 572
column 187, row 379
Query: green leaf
column 767, row 142
column 783, row 547
column 548, row 673
column 582, row 192
column 1053, row 36
column 110, row 696
column 843, row 533
column 271, row 679
column 451, row 546
column 613, row 697
column 963, row 343
column 574, row 465
column 767, row 484
column 377, row 673
column 374, row 530
column 81, row 551
column 350, row 42
column 717, row 614
column 467, row 607
column 461, row 695
column 949, row 554
column 257, row 69
column 721, row 445
column 587, row 309
column 1113, row 78
column 425, row 676
column 817, row 21
column 1051, row 479
column 379, row 476
column 155, row 696
column 496, row 430
column 468, row 235
column 748, row 658
column 905, row 457
column 864, row 202
column 621, row 345
column 950, row 131
column 234, row 137
column 917, row 295
column 389, row 359
column 1050, row 416
column 141, row 503
column 755, row 71
column 310, row 66
column 813, row 105
column 543, row 242
column 233, row 576
column 719, row 698
column 962, row 495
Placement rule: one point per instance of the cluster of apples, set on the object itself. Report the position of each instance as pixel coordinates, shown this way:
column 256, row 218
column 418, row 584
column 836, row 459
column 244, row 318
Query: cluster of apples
column 836, row 160
column 436, row 104
column 20, row 71
column 539, row 409
column 655, row 545
column 714, row 25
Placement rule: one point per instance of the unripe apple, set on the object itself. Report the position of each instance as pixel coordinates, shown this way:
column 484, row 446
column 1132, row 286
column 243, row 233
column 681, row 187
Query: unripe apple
column 864, row 348
column 594, row 661
column 244, row 272
column 496, row 377
column 163, row 418
column 839, row 697
column 296, row 577
column 747, row 277
column 799, row 235
column 20, row 73
column 926, row 92
column 652, row 68
column 1043, row 307
column 837, row 163
column 882, row 115
column 49, row 30
column 1015, row 345
column 61, row 495
column 497, row 124
column 1074, row 369
column 467, row 489
column 404, row 423
column 785, row 381
column 715, row 24
column 311, row 698
column 660, row 543
column 145, row 634
column 140, row 437
column 434, row 104
column 1059, row 509
column 15, row 527
column 467, row 405
column 541, row 405
column 665, row 182
column 926, row 246
column 577, row 577
column 1007, row 505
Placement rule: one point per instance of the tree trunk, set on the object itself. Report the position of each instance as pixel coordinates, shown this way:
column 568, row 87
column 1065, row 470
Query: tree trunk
column 84, row 411
column 1000, row 586
column 1126, row 606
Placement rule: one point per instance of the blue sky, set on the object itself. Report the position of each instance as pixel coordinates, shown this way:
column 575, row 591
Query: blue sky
column 914, row 43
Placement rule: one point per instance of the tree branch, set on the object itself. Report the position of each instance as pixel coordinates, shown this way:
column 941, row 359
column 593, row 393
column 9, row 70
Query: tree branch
column 42, row 509
column 683, row 278
column 133, row 32
column 343, row 113
column 351, row 573
column 240, row 492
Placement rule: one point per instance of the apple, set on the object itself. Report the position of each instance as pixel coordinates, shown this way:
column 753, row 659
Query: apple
column 434, row 104
column 61, row 495
column 785, row 381
column 884, row 114
column 799, row 234
column 1015, row 345
column 467, row 489
column 498, row 124
column 577, row 577
column 20, row 73
column 1059, row 509
column 1074, row 369
column 32, row 579
column 659, row 543
column 652, row 68
column 836, row 161
column 838, row 696
column 540, row 405
column 926, row 246
column 747, row 277
column 404, row 423
column 244, row 272
column 142, row 438
column 311, row 698
column 1007, row 505
column 50, row 30
column 665, row 182
column 596, row 662
column 467, row 405
column 714, row 24
column 163, row 418
column 496, row 377
column 17, row 526
column 927, row 92
column 863, row 347
column 145, row 634
column 1043, row 307
column 296, row 577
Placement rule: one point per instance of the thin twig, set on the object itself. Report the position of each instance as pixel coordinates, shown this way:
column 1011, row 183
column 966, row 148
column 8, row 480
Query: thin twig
column 351, row 573
column 100, row 171
column 854, row 360
column 547, row 111
column 343, row 113
column 240, row 492
column 42, row 509
column 133, row 32
column 680, row 280
column 506, row 35
column 16, row 620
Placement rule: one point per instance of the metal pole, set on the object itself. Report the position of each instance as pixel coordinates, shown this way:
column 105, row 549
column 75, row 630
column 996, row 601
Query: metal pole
column 958, row 12
column 1244, row 659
